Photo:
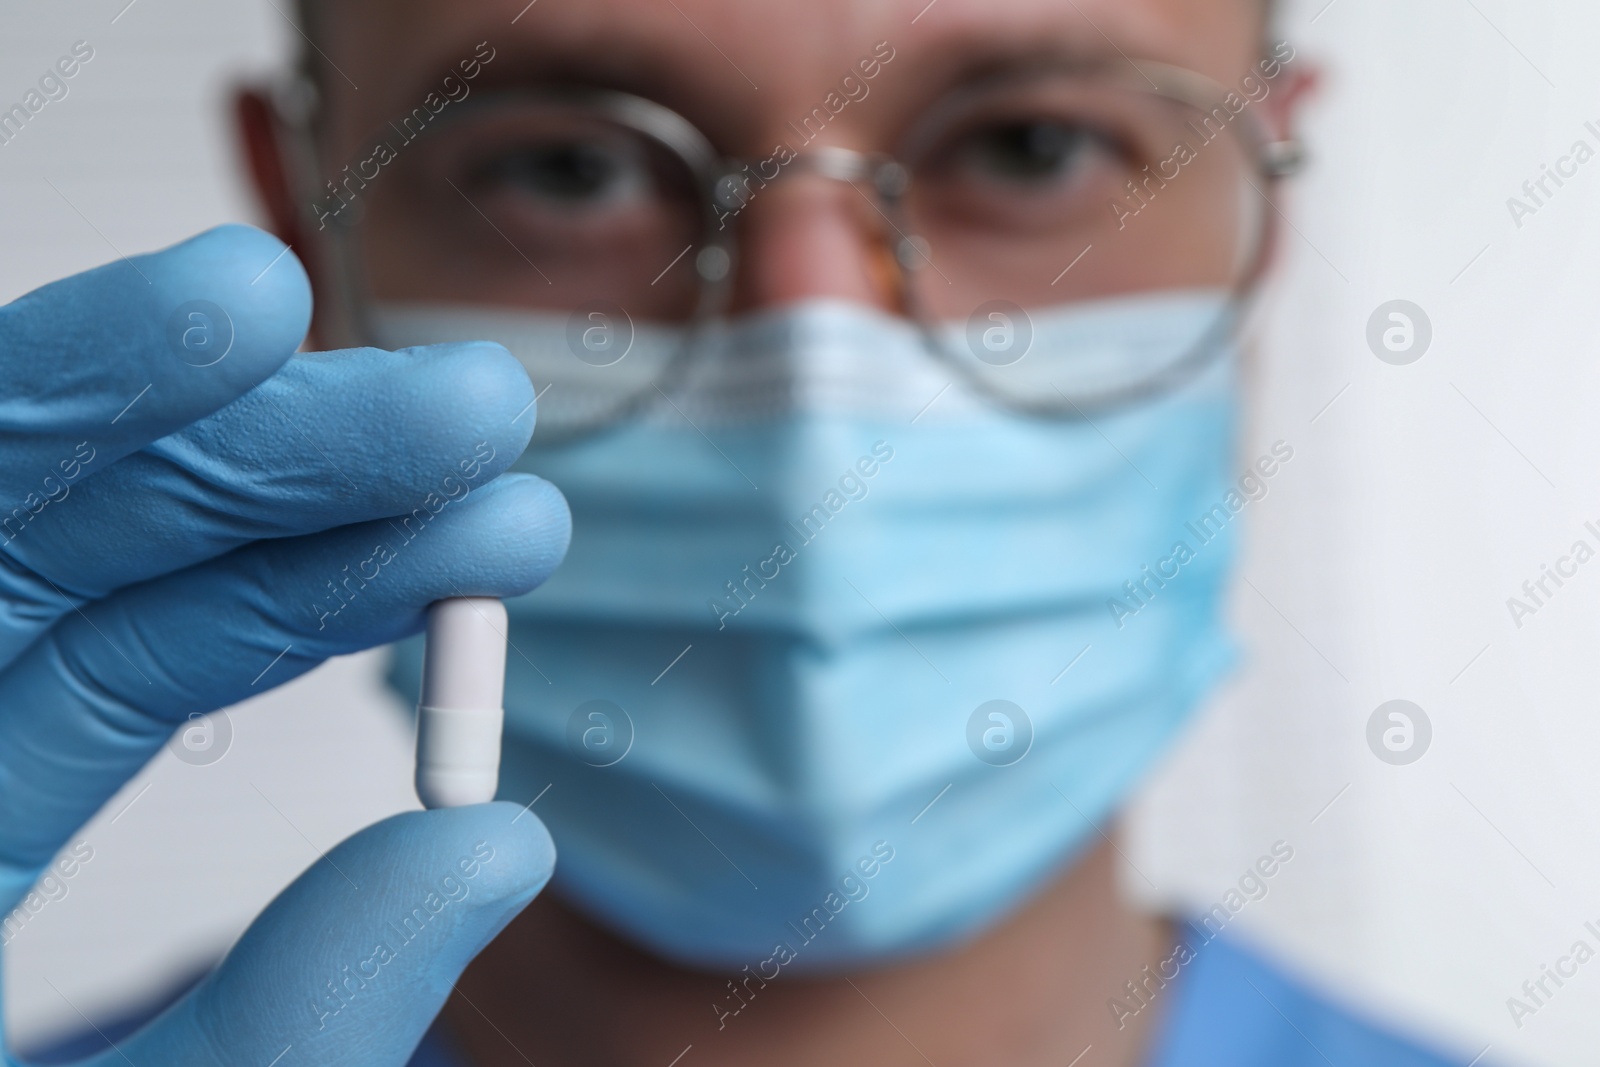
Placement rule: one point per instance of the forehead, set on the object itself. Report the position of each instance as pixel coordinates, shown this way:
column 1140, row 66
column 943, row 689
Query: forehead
column 736, row 67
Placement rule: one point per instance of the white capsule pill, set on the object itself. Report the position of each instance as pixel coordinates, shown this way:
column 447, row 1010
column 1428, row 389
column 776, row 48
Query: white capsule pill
column 461, row 710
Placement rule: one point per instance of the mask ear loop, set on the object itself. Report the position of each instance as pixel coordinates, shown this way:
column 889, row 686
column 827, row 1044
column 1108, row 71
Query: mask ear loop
column 1275, row 160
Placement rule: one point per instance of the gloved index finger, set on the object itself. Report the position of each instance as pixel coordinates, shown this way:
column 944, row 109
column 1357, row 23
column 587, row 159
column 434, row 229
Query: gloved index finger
column 102, row 363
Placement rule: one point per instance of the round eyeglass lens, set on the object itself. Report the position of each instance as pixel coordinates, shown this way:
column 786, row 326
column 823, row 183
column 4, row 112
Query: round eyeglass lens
column 552, row 226
column 1044, row 208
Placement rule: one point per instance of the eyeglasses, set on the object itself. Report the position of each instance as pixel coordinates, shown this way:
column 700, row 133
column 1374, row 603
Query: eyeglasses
column 1013, row 199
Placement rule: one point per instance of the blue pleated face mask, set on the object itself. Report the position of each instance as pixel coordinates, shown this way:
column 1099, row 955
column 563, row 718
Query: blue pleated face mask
column 846, row 661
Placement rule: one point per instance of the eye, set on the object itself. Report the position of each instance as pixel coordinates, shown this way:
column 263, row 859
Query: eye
column 1031, row 152
column 569, row 172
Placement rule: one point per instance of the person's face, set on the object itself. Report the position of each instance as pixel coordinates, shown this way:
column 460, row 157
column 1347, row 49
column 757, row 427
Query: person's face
column 744, row 73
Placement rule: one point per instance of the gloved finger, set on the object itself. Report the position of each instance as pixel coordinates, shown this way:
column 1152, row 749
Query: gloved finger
column 331, row 439
column 351, row 963
column 104, row 362
column 95, row 697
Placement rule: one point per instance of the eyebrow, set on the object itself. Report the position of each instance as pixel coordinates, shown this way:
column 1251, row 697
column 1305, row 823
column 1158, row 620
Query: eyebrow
column 641, row 71
column 640, row 64
column 641, row 67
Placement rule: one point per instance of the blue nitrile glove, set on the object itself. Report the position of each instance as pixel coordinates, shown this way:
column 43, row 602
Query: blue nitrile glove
column 183, row 503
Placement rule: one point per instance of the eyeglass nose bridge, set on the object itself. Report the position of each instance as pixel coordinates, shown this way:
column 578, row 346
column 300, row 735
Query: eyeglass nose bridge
column 740, row 180
column 886, row 174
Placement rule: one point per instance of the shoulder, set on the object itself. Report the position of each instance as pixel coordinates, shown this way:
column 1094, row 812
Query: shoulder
column 1233, row 1007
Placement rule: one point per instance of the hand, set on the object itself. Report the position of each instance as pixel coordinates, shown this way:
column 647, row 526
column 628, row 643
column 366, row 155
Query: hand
column 191, row 513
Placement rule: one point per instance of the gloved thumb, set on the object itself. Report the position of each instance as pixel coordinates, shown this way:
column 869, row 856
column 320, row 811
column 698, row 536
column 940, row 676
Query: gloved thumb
column 350, row 964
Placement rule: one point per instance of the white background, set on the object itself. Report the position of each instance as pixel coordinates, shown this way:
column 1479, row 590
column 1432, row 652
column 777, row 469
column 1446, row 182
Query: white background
column 1378, row 568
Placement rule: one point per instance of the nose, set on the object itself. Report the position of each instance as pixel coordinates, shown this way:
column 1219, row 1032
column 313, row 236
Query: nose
column 812, row 237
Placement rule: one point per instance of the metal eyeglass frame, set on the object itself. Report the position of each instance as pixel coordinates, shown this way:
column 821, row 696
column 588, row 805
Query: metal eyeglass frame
column 718, row 177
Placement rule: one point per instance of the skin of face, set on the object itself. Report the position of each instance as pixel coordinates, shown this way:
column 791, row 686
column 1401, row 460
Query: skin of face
column 554, row 989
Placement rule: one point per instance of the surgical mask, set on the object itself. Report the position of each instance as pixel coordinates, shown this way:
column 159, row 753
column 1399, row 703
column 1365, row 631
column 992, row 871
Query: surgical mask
column 845, row 661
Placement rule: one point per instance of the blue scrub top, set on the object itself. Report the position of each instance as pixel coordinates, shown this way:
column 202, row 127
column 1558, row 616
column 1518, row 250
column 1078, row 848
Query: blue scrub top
column 1228, row 1008
column 1233, row 1009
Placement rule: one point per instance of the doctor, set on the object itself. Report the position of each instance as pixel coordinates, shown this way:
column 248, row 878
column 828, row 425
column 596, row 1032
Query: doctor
column 887, row 355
